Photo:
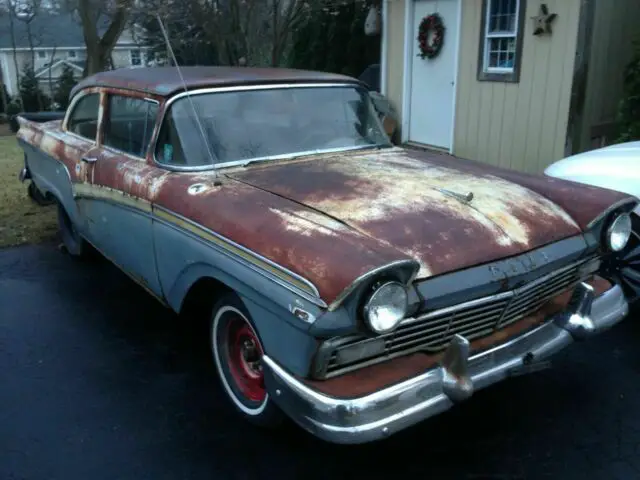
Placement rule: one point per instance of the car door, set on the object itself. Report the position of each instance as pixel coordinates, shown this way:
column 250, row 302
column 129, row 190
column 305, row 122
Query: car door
column 119, row 211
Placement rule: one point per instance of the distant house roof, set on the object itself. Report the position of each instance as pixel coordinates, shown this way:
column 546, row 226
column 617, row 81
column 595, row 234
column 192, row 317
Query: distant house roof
column 48, row 30
column 78, row 65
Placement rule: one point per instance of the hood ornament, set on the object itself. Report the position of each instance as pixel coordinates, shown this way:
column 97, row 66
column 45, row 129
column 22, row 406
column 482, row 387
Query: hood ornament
column 463, row 197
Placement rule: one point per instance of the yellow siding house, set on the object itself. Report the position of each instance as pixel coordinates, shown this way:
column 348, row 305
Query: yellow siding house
column 501, row 90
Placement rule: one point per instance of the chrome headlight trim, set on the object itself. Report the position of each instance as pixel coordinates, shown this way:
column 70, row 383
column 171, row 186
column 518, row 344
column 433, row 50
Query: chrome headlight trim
column 619, row 232
column 371, row 310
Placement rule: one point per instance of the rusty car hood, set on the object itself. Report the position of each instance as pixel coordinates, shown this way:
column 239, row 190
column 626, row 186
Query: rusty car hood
column 418, row 207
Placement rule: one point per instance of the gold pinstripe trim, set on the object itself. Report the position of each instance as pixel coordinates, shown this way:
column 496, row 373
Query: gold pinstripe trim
column 208, row 236
column 85, row 190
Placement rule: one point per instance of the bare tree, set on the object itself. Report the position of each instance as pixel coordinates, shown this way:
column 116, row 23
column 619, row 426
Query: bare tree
column 12, row 33
column 3, row 91
column 93, row 14
column 26, row 11
column 53, row 56
column 254, row 28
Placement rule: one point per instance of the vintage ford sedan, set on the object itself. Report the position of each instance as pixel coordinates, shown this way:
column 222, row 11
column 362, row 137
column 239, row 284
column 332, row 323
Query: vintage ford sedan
column 355, row 286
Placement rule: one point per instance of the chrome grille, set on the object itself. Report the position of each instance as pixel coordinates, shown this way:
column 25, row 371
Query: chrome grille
column 474, row 319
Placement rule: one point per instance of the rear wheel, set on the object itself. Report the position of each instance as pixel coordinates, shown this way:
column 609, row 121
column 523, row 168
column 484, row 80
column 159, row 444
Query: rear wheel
column 72, row 240
column 36, row 195
column 237, row 353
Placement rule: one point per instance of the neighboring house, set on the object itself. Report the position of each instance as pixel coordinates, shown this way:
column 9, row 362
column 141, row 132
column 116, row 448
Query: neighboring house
column 497, row 92
column 57, row 40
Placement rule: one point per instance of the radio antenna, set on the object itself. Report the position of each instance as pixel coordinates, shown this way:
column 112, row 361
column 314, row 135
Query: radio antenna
column 188, row 95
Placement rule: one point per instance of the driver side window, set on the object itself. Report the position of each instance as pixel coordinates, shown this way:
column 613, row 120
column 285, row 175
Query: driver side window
column 83, row 120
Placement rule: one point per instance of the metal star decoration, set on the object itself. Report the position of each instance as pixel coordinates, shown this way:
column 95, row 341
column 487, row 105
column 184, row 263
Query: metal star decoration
column 542, row 22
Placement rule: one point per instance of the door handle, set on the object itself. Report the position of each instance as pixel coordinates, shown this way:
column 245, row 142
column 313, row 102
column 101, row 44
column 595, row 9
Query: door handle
column 89, row 159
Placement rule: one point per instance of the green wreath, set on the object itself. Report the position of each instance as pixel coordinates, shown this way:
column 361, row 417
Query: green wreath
column 428, row 24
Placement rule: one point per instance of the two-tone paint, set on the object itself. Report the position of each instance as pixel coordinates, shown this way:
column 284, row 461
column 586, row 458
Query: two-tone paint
column 294, row 236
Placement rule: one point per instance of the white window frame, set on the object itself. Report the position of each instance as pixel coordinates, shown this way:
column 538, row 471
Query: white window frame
column 140, row 63
column 488, row 36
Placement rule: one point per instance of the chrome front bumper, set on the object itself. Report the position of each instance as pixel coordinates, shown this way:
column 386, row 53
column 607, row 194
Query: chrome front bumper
column 374, row 416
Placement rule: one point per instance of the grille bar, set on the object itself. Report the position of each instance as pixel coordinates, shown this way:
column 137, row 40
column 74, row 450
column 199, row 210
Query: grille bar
column 433, row 331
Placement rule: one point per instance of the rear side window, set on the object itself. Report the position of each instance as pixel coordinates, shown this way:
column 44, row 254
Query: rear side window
column 129, row 124
column 83, row 120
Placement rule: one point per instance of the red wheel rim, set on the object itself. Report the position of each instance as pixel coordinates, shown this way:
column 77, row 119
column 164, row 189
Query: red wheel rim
column 244, row 355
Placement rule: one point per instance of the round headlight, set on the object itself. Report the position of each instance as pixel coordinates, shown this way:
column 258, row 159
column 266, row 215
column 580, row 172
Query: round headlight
column 619, row 232
column 386, row 307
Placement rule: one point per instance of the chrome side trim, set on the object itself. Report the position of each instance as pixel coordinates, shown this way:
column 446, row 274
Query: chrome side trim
column 133, row 208
column 144, row 207
column 613, row 207
column 110, row 195
column 315, row 297
column 292, row 288
column 372, row 273
column 394, row 408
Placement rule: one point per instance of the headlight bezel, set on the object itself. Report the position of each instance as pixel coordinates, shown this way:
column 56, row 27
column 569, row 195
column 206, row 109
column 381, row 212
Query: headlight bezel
column 610, row 231
column 377, row 290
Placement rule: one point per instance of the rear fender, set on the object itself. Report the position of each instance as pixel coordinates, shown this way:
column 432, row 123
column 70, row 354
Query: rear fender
column 51, row 177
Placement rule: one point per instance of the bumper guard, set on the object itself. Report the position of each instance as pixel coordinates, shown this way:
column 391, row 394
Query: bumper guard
column 387, row 411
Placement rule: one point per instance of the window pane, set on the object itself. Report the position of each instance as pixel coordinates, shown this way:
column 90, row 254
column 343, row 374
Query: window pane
column 130, row 124
column 263, row 123
column 84, row 118
column 501, row 52
column 502, row 15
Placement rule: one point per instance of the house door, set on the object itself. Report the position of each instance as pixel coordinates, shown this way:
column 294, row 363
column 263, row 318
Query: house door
column 432, row 87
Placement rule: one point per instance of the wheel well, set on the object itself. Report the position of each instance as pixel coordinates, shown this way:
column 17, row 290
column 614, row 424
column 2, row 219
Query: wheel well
column 200, row 298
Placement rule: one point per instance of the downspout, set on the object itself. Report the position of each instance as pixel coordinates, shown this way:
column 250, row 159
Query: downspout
column 579, row 86
column 383, row 48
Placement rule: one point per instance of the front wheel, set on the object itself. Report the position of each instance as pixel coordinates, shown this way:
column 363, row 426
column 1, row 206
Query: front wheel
column 624, row 267
column 237, row 353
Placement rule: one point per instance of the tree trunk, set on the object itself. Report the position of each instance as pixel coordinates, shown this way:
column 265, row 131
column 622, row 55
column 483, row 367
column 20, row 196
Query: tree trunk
column 53, row 55
column 3, row 96
column 15, row 58
column 33, row 64
column 274, row 32
column 99, row 48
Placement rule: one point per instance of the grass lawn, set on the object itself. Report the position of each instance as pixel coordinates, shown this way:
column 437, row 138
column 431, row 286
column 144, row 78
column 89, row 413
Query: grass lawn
column 21, row 219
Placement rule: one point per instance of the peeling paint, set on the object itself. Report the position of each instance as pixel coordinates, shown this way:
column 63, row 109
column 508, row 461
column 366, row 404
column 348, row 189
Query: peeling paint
column 333, row 218
column 304, row 226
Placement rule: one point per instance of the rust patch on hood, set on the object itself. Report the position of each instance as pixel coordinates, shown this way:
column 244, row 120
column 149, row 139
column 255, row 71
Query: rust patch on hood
column 326, row 252
column 584, row 203
column 412, row 206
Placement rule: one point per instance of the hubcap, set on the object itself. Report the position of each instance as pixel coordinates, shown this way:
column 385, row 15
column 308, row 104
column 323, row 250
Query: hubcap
column 624, row 267
column 245, row 359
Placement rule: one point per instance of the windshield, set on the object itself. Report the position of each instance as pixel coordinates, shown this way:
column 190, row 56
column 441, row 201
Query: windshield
column 253, row 124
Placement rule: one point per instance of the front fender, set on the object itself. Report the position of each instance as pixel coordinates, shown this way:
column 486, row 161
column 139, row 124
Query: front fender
column 283, row 336
column 183, row 259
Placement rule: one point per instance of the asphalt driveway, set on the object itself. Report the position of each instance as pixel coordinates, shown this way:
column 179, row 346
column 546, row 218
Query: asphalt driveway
column 98, row 381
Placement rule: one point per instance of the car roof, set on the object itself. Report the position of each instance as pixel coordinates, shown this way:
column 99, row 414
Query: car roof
column 165, row 81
